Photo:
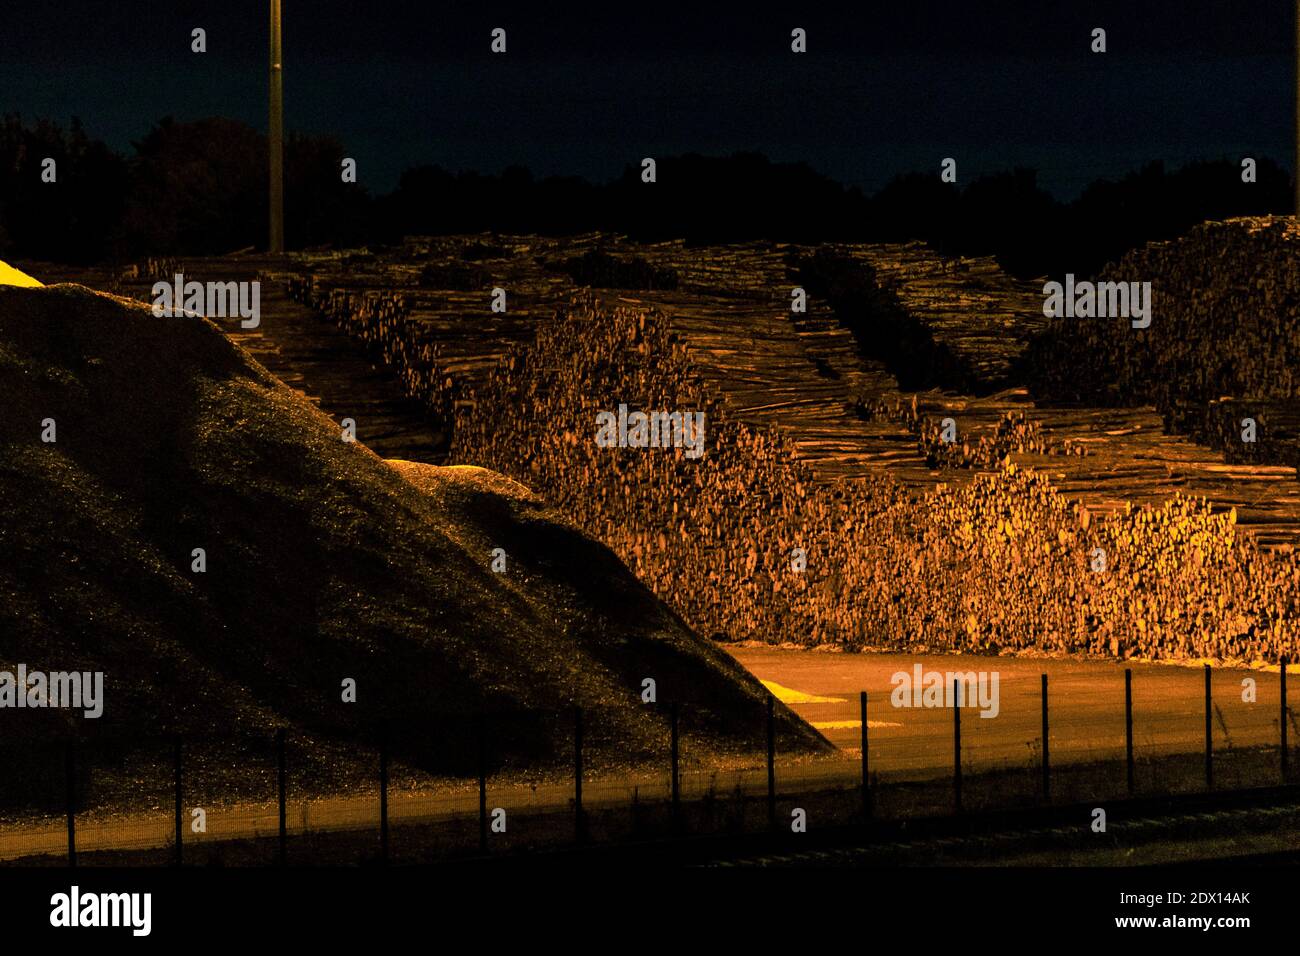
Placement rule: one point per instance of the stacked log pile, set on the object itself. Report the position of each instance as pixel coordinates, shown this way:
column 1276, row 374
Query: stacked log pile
column 132, row 280
column 1224, row 340
column 853, row 418
column 811, row 438
column 909, row 540
column 1002, row 561
column 946, row 322
column 754, row 359
column 442, row 343
column 1102, row 456
column 599, row 269
column 686, row 526
column 1222, row 423
column 427, row 314
column 748, row 270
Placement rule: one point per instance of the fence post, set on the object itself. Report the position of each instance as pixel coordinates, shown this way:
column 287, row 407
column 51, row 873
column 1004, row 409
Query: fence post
column 283, row 787
column 866, row 767
column 383, row 795
column 956, row 748
column 1282, row 722
column 482, row 786
column 1047, row 759
column 1128, row 725
column 579, row 825
column 70, row 766
column 176, row 772
column 771, row 762
column 1209, row 740
column 676, row 785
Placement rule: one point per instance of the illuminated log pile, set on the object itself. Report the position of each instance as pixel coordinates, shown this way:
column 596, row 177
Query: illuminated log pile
column 951, row 324
column 1222, row 423
column 428, row 315
column 1105, row 455
column 695, row 530
column 909, row 541
column 886, row 428
column 852, row 418
column 936, row 321
column 1001, row 561
column 1223, row 345
column 441, row 343
column 1128, row 459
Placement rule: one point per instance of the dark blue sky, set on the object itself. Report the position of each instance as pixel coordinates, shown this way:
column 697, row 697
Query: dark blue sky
column 995, row 84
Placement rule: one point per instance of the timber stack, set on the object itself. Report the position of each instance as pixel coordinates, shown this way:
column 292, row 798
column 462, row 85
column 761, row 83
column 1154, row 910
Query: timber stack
column 1223, row 345
column 906, row 538
column 750, row 539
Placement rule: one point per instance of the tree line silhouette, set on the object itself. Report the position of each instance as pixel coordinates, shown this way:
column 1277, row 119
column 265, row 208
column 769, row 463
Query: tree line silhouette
column 199, row 188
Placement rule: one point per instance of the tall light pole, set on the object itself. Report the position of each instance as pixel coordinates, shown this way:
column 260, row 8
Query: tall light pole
column 1296, row 166
column 275, row 136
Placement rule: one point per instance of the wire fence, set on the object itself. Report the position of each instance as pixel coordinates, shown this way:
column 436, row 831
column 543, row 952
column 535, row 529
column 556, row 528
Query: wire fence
column 281, row 797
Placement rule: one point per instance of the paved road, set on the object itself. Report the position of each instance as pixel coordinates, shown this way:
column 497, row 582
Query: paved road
column 1086, row 707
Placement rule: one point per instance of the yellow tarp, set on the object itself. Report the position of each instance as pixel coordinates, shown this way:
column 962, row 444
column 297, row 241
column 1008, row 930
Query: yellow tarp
column 788, row 695
column 11, row 276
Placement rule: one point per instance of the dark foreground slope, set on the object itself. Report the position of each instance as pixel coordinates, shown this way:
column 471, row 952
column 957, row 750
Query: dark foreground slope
column 323, row 562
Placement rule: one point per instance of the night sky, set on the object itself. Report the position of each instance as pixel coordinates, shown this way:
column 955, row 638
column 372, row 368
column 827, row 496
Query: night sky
column 586, row 90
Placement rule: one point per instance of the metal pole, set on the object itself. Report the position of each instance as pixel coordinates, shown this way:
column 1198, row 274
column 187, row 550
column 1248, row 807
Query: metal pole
column 176, row 770
column 1209, row 740
column 283, row 782
column 771, row 762
column 676, row 788
column 956, row 748
column 866, row 769
column 1296, row 156
column 579, row 830
column 1282, row 721
column 1047, row 762
column 275, row 137
column 1128, row 724
column 71, row 767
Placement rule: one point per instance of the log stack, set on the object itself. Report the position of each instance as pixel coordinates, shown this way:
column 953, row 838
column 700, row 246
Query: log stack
column 427, row 314
column 1100, row 448
column 952, row 323
column 910, row 541
column 1224, row 338
column 1000, row 561
column 855, row 420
